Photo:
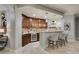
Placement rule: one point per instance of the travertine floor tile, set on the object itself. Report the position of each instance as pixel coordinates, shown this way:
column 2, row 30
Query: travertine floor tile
column 33, row 48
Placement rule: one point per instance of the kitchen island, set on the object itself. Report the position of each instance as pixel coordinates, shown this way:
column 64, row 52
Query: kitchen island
column 44, row 37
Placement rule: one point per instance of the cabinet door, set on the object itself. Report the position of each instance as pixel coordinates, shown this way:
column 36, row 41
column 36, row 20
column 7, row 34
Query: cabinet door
column 38, row 36
column 35, row 23
column 43, row 23
column 26, row 38
column 26, row 22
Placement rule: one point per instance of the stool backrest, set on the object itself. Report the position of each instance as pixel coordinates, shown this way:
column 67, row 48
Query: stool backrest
column 54, row 36
column 63, row 36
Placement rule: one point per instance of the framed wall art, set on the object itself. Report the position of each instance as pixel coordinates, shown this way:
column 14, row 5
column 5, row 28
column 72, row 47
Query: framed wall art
column 67, row 26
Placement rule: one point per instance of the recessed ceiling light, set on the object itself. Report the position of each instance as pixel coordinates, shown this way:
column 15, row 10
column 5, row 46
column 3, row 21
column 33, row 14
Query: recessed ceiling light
column 46, row 13
column 45, row 16
column 34, row 15
column 30, row 19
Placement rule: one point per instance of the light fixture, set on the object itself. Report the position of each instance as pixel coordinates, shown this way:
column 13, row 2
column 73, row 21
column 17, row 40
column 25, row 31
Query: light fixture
column 2, row 31
column 34, row 15
column 53, row 22
column 3, row 15
column 46, row 13
column 30, row 19
column 46, row 18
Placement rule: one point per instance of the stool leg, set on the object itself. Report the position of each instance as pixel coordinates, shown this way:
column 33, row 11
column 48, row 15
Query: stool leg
column 48, row 43
column 61, row 43
column 64, row 42
column 57, row 44
column 53, row 45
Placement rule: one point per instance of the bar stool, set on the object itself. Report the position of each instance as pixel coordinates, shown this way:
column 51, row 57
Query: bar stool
column 53, row 40
column 63, row 39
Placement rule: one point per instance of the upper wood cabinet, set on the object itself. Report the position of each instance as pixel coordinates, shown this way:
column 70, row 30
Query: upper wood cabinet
column 42, row 23
column 35, row 23
column 26, row 22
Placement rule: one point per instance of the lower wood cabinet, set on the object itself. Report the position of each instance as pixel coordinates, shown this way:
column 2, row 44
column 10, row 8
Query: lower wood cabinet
column 38, row 36
column 26, row 38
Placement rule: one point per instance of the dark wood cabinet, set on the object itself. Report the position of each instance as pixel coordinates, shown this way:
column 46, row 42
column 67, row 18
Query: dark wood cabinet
column 42, row 23
column 26, row 38
column 38, row 36
column 25, row 22
column 35, row 23
column 38, row 23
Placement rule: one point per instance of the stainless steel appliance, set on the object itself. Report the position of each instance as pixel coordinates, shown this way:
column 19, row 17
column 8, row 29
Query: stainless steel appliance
column 33, row 37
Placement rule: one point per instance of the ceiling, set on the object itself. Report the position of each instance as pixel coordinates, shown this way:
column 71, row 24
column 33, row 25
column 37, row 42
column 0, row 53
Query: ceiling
column 64, row 8
column 38, row 13
column 67, row 8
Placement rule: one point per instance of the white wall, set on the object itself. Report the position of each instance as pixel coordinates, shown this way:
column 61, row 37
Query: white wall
column 59, row 23
column 69, row 18
column 18, row 29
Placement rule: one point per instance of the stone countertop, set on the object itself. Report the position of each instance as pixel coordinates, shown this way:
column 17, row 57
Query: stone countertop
column 41, row 31
column 53, row 31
